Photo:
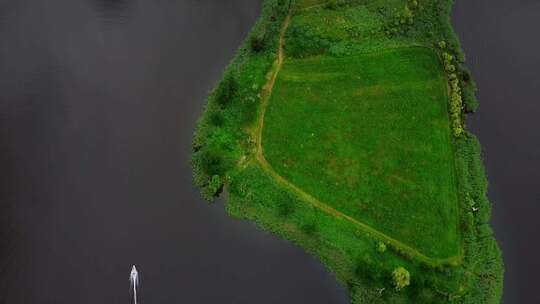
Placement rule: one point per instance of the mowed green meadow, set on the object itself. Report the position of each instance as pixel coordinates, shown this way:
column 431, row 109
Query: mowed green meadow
column 368, row 135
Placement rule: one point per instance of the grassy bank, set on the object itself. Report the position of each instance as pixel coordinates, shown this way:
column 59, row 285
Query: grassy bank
column 339, row 126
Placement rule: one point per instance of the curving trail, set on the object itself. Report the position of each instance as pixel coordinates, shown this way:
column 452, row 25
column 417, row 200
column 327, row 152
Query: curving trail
column 266, row 94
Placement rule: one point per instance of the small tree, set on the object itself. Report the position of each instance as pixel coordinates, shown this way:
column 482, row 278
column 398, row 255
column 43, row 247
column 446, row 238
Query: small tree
column 216, row 185
column 226, row 89
column 442, row 44
column 381, row 247
column 401, row 277
column 257, row 41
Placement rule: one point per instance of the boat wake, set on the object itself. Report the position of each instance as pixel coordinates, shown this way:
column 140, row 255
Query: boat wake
column 134, row 283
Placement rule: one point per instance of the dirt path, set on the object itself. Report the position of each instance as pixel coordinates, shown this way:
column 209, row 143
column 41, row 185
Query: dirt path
column 266, row 94
column 269, row 87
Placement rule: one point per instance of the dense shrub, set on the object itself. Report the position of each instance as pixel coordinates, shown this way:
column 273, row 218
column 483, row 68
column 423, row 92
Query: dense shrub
column 381, row 247
column 226, row 89
column 216, row 185
column 335, row 4
column 257, row 41
column 309, row 228
column 401, row 278
column 403, row 20
column 456, row 100
column 468, row 91
column 304, row 42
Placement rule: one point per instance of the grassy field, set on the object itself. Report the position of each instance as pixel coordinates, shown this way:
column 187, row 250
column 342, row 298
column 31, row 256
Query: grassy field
column 369, row 136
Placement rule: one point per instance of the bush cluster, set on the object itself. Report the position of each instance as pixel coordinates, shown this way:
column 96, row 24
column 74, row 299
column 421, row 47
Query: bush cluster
column 257, row 40
column 402, row 20
column 305, row 42
column 381, row 247
column 483, row 257
column 226, row 89
column 456, row 100
column 335, row 4
column 401, row 278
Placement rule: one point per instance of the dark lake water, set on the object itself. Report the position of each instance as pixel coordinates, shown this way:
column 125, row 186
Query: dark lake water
column 500, row 38
column 98, row 102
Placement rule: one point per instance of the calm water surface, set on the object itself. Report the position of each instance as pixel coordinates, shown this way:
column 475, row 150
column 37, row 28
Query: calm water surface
column 98, row 103
column 500, row 38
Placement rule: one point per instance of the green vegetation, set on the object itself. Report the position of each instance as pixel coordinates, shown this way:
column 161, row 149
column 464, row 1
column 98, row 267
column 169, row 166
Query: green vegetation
column 401, row 277
column 374, row 144
column 339, row 126
column 456, row 100
column 381, row 247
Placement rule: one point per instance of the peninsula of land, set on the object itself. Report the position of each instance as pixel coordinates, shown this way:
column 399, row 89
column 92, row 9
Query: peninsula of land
column 340, row 125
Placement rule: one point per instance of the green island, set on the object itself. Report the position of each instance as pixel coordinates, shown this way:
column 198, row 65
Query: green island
column 340, row 125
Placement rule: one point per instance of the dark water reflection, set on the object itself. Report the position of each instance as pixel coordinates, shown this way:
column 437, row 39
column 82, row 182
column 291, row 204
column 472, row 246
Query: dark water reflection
column 98, row 102
column 501, row 41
